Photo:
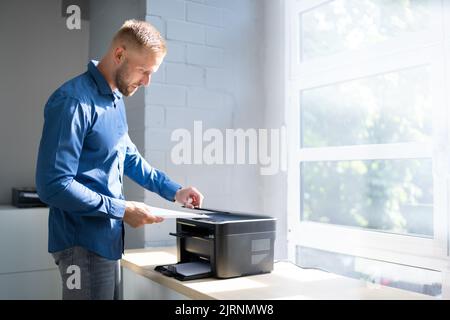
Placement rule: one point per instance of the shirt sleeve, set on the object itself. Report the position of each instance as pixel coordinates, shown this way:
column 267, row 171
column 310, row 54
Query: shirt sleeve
column 66, row 123
column 141, row 172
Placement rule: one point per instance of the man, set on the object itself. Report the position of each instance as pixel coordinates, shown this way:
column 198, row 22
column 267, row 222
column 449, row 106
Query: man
column 84, row 152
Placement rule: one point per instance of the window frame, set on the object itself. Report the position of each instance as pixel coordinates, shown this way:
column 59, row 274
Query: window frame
column 426, row 48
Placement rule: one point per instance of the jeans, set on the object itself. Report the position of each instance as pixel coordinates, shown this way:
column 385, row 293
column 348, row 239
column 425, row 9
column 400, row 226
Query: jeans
column 87, row 276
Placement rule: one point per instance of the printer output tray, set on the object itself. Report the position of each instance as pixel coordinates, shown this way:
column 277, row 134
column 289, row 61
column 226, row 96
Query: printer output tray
column 186, row 270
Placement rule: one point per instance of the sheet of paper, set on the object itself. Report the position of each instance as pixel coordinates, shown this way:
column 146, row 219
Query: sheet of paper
column 173, row 214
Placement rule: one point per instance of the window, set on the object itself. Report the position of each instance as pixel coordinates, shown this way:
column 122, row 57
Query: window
column 385, row 195
column 368, row 129
column 344, row 25
column 392, row 107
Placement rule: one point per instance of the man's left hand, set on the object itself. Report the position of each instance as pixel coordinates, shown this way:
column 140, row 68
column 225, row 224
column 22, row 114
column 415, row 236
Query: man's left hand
column 190, row 197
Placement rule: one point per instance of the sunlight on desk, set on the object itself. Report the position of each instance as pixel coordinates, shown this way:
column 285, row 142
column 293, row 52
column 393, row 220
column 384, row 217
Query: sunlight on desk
column 292, row 272
column 143, row 259
column 287, row 281
column 226, row 285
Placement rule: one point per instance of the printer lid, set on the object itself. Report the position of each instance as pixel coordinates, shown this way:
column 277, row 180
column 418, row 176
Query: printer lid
column 220, row 216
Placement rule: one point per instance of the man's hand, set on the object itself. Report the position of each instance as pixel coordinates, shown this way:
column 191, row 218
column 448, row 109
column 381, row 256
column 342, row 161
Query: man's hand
column 137, row 214
column 190, row 197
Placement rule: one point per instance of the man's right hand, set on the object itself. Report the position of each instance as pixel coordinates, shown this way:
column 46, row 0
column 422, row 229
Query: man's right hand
column 137, row 214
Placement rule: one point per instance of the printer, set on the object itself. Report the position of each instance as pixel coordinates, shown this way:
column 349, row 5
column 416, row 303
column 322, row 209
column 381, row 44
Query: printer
column 222, row 245
column 26, row 197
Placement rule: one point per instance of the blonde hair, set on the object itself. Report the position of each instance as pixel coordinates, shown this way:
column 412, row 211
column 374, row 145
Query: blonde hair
column 141, row 35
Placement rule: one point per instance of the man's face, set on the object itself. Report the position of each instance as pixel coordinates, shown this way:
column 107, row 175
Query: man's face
column 135, row 70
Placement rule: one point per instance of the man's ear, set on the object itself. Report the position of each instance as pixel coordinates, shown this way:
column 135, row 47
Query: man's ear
column 119, row 55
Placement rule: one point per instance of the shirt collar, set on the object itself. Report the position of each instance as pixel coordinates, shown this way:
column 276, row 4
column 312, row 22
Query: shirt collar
column 102, row 84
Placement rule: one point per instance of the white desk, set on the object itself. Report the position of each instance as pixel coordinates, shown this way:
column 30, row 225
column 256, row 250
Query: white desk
column 287, row 281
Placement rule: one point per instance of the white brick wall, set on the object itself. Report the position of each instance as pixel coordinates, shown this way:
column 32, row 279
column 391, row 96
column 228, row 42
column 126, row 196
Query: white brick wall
column 216, row 3
column 204, row 56
column 215, row 37
column 157, row 139
column 177, row 117
column 200, row 80
column 217, row 78
column 185, row 31
column 160, row 75
column 168, row 9
column 204, row 14
column 180, row 73
column 176, row 51
column 158, row 23
column 158, row 159
column 205, row 98
column 162, row 94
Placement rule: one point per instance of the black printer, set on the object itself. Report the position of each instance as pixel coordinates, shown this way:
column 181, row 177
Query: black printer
column 26, row 198
column 222, row 245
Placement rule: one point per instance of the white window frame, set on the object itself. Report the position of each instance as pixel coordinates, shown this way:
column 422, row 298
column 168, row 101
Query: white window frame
column 428, row 48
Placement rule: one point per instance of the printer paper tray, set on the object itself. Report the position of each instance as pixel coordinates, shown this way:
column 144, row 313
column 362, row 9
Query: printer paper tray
column 186, row 270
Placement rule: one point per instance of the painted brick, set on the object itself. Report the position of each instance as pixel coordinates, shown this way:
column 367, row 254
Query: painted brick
column 159, row 76
column 217, row 78
column 198, row 1
column 168, row 9
column 185, row 31
column 204, row 14
column 176, row 51
column 185, row 117
column 162, row 94
column 153, row 199
column 158, row 23
column 183, row 74
column 157, row 139
column 214, row 184
column 204, row 56
column 203, row 98
column 217, row 201
column 156, row 159
column 216, row 3
column 216, row 37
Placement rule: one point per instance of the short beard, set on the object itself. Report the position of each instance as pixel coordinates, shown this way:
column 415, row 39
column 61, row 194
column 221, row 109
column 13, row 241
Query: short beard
column 121, row 83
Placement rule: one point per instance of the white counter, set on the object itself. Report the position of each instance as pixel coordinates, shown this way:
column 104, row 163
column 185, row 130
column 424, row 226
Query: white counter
column 27, row 270
column 287, row 281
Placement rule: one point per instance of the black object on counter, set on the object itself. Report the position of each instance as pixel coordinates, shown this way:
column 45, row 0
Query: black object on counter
column 223, row 245
column 26, row 198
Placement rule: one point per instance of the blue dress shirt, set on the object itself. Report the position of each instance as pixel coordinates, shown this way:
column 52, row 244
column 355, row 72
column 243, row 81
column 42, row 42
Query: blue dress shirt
column 84, row 152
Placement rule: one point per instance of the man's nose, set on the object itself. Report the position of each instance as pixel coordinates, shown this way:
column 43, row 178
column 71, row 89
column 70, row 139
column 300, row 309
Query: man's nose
column 146, row 80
